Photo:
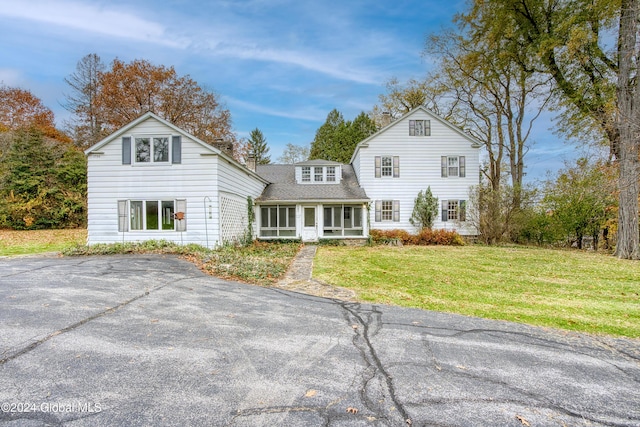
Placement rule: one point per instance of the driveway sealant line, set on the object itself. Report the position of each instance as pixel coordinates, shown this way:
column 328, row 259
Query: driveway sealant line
column 73, row 326
column 370, row 355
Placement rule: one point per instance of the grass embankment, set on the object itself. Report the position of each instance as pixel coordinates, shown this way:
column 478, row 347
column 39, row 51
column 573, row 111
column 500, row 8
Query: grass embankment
column 21, row 242
column 259, row 263
column 563, row 289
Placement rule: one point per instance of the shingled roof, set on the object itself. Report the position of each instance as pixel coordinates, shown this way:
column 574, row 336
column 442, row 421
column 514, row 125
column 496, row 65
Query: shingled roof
column 283, row 186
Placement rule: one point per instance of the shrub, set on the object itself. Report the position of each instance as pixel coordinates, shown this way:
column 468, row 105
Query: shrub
column 426, row 236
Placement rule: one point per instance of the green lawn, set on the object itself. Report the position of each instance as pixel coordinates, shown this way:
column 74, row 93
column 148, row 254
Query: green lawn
column 19, row 242
column 563, row 289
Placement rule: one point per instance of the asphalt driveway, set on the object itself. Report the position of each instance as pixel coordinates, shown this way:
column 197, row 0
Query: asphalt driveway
column 151, row 341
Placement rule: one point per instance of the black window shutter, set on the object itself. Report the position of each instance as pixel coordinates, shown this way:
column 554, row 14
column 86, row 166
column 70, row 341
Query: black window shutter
column 176, row 149
column 463, row 210
column 126, row 150
column 445, row 210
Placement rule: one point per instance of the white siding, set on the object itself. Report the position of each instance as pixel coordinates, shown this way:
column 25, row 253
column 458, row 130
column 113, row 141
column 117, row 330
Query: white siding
column 419, row 168
column 195, row 179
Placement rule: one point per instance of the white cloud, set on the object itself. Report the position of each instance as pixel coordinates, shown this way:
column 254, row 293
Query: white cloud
column 90, row 18
column 10, row 77
column 298, row 114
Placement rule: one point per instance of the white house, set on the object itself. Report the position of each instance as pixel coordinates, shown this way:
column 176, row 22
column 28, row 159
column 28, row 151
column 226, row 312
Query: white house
column 152, row 180
column 417, row 151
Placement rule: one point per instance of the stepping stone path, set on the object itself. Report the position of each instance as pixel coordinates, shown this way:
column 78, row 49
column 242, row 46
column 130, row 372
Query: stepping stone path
column 298, row 278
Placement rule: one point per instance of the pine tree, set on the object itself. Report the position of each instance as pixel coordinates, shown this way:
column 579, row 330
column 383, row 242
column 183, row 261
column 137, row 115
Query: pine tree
column 258, row 146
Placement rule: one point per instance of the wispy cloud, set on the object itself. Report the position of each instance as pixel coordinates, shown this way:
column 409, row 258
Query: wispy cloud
column 10, row 77
column 298, row 114
column 91, row 18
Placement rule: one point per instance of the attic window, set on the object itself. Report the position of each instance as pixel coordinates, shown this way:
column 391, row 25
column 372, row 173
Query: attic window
column 152, row 149
column 419, row 127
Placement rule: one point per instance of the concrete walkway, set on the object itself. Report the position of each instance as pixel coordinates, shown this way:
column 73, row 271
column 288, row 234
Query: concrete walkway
column 298, row 278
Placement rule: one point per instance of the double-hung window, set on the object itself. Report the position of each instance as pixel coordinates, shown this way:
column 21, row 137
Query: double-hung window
column 318, row 175
column 419, row 127
column 387, row 166
column 453, row 166
column 387, row 210
column 454, row 210
column 331, row 174
column 306, row 174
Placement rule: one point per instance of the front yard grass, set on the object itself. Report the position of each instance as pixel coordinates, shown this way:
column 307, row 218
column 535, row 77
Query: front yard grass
column 571, row 290
column 21, row 242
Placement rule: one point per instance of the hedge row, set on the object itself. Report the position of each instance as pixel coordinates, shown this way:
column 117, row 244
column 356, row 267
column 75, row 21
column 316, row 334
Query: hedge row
column 425, row 237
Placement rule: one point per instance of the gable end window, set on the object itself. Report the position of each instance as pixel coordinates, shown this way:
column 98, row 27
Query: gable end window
column 419, row 127
column 151, row 149
column 453, row 166
column 387, row 166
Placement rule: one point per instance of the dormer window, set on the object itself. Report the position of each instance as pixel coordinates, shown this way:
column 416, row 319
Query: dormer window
column 331, row 174
column 306, row 174
column 318, row 174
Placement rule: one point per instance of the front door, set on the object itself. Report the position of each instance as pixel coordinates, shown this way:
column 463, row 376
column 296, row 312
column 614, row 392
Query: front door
column 309, row 224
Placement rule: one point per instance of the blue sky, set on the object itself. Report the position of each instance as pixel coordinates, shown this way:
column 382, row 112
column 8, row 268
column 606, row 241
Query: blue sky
column 278, row 65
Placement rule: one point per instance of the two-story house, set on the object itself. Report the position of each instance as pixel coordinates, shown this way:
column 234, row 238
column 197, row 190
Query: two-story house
column 417, row 151
column 152, row 180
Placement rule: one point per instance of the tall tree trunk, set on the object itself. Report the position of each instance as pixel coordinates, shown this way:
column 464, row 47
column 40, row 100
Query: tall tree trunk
column 628, row 122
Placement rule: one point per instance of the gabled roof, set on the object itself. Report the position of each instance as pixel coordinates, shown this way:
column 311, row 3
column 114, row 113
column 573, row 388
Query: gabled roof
column 283, row 187
column 475, row 143
column 149, row 115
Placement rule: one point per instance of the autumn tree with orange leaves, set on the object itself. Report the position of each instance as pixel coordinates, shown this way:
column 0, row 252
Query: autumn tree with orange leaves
column 20, row 109
column 127, row 90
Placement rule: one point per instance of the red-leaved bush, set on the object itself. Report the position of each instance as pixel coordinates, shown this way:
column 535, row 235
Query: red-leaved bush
column 425, row 237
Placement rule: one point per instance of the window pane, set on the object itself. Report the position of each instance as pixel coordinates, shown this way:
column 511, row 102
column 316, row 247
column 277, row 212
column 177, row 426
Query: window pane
column 309, row 217
column 348, row 221
column 292, row 216
column 282, row 218
column 331, row 174
column 337, row 216
column 264, row 217
column 306, row 173
column 273, row 217
column 357, row 217
column 136, row 215
column 160, row 149
column 327, row 217
column 453, row 166
column 143, row 150
column 387, row 166
column 387, row 210
column 167, row 215
column 317, row 174
column 152, row 215
column 453, row 209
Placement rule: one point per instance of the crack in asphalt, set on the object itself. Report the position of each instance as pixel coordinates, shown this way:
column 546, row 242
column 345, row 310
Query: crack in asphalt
column 75, row 325
column 371, row 323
